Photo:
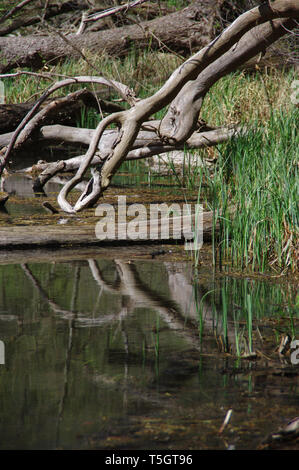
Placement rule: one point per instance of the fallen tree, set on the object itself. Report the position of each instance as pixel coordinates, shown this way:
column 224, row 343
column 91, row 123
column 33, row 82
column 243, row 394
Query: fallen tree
column 252, row 33
column 183, row 31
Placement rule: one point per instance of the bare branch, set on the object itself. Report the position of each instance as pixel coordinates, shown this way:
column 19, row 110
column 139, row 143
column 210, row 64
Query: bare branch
column 182, row 116
column 133, row 118
column 108, row 12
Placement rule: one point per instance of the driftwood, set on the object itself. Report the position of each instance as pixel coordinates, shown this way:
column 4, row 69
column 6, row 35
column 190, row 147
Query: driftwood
column 29, row 123
column 186, row 88
column 146, row 145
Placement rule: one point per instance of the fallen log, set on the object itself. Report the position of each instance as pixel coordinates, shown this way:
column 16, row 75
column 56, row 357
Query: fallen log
column 3, row 199
column 63, row 235
column 146, row 145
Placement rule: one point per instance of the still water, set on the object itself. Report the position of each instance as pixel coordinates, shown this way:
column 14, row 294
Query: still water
column 107, row 353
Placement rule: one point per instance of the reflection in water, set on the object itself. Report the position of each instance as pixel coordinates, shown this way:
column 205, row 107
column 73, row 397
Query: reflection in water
column 21, row 185
column 119, row 354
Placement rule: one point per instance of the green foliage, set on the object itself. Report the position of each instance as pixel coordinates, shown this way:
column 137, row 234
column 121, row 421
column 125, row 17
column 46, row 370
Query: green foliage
column 257, row 176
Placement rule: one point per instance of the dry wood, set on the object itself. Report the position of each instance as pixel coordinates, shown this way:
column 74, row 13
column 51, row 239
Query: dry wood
column 25, row 123
column 268, row 30
column 145, row 146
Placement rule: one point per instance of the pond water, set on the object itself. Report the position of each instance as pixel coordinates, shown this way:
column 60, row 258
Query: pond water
column 108, row 352
column 111, row 349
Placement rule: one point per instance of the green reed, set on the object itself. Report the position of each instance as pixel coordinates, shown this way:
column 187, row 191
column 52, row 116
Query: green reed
column 241, row 310
column 253, row 194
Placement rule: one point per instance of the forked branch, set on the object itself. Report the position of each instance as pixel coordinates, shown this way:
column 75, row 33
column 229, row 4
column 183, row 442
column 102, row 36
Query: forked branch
column 250, row 34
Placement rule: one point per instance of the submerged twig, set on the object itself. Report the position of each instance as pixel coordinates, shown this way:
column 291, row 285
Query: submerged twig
column 225, row 422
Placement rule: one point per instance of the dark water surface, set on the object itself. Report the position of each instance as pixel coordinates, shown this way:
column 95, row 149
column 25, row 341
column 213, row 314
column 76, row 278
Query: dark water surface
column 108, row 353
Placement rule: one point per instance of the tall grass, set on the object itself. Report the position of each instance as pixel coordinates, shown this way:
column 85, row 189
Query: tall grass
column 241, row 309
column 257, row 178
column 253, row 190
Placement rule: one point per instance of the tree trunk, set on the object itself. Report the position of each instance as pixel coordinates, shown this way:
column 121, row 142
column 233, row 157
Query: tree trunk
column 183, row 32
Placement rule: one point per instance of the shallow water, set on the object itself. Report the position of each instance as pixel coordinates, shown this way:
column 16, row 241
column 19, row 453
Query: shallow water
column 106, row 353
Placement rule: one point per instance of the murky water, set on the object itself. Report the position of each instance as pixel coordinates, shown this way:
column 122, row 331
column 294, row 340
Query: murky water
column 106, row 353
column 110, row 349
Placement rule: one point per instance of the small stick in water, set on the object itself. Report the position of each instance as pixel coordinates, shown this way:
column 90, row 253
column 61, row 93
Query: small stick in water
column 225, row 422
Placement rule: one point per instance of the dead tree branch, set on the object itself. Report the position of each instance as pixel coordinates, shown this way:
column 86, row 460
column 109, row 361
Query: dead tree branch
column 23, row 126
column 108, row 12
column 14, row 10
column 235, row 45
column 250, row 34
